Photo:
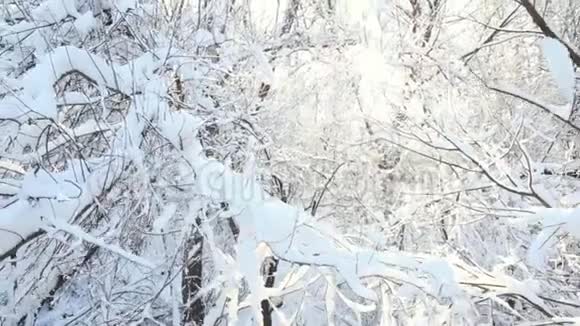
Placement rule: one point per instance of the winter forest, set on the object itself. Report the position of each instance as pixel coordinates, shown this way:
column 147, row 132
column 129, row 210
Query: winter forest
column 289, row 162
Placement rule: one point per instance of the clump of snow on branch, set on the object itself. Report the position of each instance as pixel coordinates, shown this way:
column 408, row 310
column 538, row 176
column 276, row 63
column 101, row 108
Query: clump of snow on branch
column 560, row 66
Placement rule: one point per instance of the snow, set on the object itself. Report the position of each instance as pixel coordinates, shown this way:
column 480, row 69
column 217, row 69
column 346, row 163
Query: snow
column 180, row 129
column 567, row 218
column 267, row 17
column 284, row 230
column 77, row 231
column 282, row 227
column 160, row 223
column 45, row 185
column 362, row 16
column 52, row 11
column 45, row 104
column 72, row 98
column 9, row 186
column 63, row 60
column 445, row 282
column 561, row 66
column 11, row 166
column 87, row 128
column 203, row 37
column 562, row 111
column 263, row 69
column 66, row 59
column 45, row 195
column 124, row 5
column 85, row 23
column 12, row 107
column 6, row 65
column 16, row 223
column 554, row 220
column 164, row 182
column 38, row 94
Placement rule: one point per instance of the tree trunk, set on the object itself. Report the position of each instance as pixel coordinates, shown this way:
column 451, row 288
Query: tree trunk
column 192, row 277
column 270, row 268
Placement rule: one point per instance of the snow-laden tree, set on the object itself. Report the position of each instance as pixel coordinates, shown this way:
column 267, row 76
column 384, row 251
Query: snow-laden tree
column 290, row 162
column 452, row 153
